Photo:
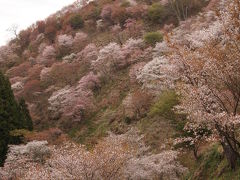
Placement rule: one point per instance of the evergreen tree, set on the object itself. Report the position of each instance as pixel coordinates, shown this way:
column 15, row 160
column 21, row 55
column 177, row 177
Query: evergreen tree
column 4, row 126
column 27, row 120
column 12, row 116
column 9, row 104
column 4, row 136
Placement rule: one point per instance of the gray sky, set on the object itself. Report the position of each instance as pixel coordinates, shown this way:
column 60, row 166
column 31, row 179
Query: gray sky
column 25, row 12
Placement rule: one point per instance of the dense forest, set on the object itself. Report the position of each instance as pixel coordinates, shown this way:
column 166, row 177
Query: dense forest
column 123, row 89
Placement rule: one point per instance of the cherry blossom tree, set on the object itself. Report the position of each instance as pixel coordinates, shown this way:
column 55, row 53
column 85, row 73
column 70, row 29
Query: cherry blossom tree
column 137, row 104
column 74, row 102
column 65, row 41
column 134, row 71
column 45, row 73
column 158, row 166
column 114, row 157
column 21, row 70
column 21, row 157
column 88, row 54
column 64, row 44
column 118, row 33
column 210, row 79
column 132, row 28
column 109, row 59
column 80, row 41
column 8, row 55
column 156, row 75
column 47, row 55
column 133, row 50
column 49, row 52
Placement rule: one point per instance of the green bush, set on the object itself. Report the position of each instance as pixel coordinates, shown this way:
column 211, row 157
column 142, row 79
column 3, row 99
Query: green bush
column 76, row 21
column 125, row 3
column 164, row 105
column 156, row 13
column 152, row 38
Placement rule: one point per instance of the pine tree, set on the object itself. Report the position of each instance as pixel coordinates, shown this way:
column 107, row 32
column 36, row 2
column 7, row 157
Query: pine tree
column 4, row 136
column 27, row 120
column 9, row 104
column 12, row 116
column 4, row 126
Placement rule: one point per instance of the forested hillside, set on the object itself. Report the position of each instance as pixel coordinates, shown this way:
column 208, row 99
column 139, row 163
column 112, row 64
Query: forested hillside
column 125, row 89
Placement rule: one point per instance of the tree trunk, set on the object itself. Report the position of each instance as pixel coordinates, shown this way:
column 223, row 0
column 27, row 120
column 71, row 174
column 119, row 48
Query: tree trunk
column 195, row 153
column 228, row 145
column 231, row 155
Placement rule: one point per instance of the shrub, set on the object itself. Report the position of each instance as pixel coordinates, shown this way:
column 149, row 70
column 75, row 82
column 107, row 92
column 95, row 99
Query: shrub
column 24, row 38
column 80, row 41
column 110, row 59
column 76, row 21
column 125, row 3
column 164, row 105
column 38, row 150
column 51, row 28
column 41, row 26
column 152, row 38
column 156, row 13
column 74, row 102
column 20, row 70
column 119, row 15
column 106, row 13
column 136, row 105
column 93, row 13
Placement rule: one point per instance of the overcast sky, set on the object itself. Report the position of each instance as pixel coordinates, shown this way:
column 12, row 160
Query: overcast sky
column 25, row 12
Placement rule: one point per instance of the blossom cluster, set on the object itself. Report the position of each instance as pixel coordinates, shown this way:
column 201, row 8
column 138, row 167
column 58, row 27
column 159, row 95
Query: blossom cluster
column 114, row 157
column 74, row 101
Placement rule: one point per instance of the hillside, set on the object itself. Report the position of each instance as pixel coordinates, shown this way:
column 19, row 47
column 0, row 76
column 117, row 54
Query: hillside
column 128, row 89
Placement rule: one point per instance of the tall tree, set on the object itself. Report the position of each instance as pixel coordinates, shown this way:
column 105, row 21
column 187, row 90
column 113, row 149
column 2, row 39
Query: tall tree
column 4, row 125
column 210, row 86
column 4, row 136
column 12, row 115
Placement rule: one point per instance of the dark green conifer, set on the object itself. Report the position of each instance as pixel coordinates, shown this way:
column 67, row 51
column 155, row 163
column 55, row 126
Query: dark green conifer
column 12, row 116
column 27, row 120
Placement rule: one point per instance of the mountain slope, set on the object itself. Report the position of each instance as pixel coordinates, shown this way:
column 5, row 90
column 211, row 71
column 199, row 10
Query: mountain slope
column 105, row 67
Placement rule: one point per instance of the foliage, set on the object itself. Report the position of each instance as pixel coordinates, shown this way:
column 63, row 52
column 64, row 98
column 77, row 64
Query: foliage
column 12, row 115
column 210, row 165
column 65, row 40
column 210, row 82
column 152, row 38
column 165, row 167
column 119, row 15
column 76, row 21
column 109, row 59
column 114, row 157
column 157, row 75
column 75, row 102
column 136, row 105
column 64, row 43
column 156, row 13
column 26, row 115
column 80, row 41
column 165, row 104
column 65, row 95
column 51, row 29
column 125, row 3
column 49, row 52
